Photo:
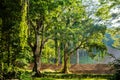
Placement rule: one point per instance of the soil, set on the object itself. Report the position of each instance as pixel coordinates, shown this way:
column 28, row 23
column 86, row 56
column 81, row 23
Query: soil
column 80, row 68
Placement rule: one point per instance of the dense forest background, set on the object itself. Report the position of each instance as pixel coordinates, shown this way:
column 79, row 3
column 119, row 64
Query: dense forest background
column 50, row 31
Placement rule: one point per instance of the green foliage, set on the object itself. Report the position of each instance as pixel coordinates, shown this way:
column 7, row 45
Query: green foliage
column 116, row 65
column 116, row 43
column 13, row 24
column 103, row 12
column 21, row 63
column 98, row 45
column 23, row 27
column 69, row 27
column 100, row 55
column 48, row 52
column 44, row 79
column 26, row 75
column 116, row 38
column 114, row 32
column 64, row 21
column 113, row 2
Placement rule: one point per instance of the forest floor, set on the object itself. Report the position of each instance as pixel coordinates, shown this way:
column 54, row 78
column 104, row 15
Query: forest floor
column 79, row 68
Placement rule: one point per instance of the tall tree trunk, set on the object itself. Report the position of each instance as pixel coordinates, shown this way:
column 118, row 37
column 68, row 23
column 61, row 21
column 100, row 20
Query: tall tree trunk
column 38, row 45
column 37, row 56
column 65, row 66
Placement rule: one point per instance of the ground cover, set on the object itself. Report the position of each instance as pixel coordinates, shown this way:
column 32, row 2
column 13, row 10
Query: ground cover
column 77, row 72
column 52, row 75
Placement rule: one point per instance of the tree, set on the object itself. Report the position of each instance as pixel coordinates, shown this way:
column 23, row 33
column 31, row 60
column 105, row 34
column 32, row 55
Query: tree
column 97, row 48
column 40, row 24
column 72, row 32
column 76, row 29
column 48, row 53
column 69, row 30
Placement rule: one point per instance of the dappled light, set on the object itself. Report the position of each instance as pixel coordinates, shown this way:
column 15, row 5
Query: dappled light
column 59, row 40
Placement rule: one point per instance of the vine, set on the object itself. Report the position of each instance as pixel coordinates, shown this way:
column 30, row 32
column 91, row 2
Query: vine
column 23, row 26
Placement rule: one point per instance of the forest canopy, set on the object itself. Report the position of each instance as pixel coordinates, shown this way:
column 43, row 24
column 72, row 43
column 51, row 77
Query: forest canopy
column 50, row 31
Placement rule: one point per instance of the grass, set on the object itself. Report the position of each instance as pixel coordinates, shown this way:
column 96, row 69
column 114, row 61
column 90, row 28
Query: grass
column 70, row 79
column 48, row 70
column 61, row 76
column 53, row 75
column 27, row 76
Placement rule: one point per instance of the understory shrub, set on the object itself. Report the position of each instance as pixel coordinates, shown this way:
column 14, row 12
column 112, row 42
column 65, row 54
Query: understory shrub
column 116, row 65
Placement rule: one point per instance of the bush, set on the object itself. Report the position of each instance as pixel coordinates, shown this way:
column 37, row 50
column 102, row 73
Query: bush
column 25, row 76
column 116, row 65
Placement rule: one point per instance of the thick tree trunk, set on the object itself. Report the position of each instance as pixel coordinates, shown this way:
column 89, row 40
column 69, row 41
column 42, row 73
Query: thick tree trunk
column 36, row 67
column 65, row 66
column 37, row 56
column 38, row 45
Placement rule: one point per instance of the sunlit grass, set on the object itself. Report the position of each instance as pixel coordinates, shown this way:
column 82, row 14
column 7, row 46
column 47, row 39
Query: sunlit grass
column 48, row 74
column 93, row 79
column 69, row 79
column 48, row 70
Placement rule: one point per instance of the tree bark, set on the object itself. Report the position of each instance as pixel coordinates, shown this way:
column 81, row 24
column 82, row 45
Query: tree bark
column 37, row 55
column 65, row 66
column 38, row 45
column 36, row 67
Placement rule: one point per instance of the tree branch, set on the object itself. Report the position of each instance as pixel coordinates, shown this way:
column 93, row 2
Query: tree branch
column 31, row 23
column 77, row 46
column 46, row 40
column 31, row 45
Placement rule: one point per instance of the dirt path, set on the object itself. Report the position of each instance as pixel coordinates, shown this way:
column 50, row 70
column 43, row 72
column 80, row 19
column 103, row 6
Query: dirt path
column 80, row 68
